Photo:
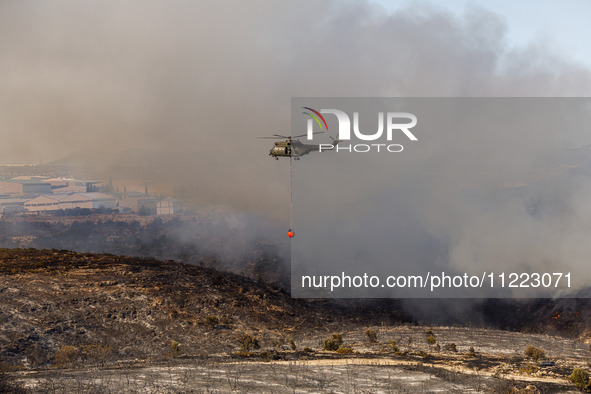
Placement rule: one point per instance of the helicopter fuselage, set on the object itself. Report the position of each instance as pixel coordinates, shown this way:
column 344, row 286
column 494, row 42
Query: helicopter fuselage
column 291, row 148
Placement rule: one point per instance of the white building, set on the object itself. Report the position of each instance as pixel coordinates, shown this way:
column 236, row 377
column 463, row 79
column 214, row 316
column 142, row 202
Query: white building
column 68, row 189
column 88, row 200
column 139, row 202
column 12, row 205
column 66, row 185
column 56, row 182
column 23, row 187
column 165, row 207
column 55, row 201
column 46, row 202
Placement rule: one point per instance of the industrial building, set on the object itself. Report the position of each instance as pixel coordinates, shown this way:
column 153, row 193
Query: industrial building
column 46, row 202
column 165, row 207
column 139, row 203
column 67, row 185
column 12, row 205
column 23, row 187
column 88, row 200
column 33, row 194
column 69, row 189
column 56, row 201
column 57, row 182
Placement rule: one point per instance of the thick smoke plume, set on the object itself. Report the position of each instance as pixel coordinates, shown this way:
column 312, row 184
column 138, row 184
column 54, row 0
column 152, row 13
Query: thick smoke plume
column 206, row 78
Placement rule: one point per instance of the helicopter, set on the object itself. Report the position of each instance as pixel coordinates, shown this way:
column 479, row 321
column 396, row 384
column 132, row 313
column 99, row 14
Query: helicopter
column 293, row 148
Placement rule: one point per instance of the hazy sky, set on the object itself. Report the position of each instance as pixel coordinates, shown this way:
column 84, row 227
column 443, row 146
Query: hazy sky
column 560, row 26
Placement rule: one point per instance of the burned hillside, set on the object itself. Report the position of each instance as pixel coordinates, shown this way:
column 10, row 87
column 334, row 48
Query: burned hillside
column 138, row 307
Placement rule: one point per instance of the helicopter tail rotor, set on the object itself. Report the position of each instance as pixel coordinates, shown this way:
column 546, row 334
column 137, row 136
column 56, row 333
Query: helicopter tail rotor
column 335, row 141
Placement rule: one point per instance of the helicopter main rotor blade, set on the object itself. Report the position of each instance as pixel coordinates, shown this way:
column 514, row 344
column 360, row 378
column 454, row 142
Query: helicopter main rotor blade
column 303, row 135
column 280, row 136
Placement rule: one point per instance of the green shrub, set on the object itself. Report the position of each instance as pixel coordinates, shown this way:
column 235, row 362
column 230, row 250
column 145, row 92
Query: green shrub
column 292, row 344
column 278, row 344
column 431, row 340
column 66, row 355
column 580, row 378
column 97, row 353
column 450, row 347
column 528, row 369
column 248, row 342
column 266, row 355
column 394, row 346
column 212, row 320
column 372, row 336
column 534, row 353
column 344, row 350
column 334, row 342
column 308, row 350
column 175, row 347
